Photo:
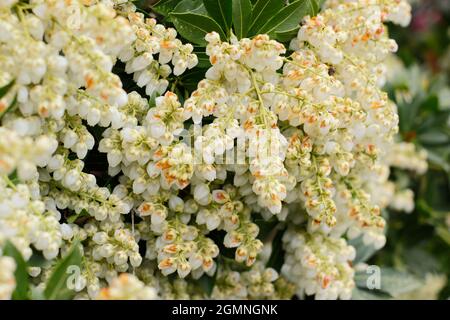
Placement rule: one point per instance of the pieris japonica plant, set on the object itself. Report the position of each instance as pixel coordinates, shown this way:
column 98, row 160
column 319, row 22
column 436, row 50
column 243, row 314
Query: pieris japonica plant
column 225, row 149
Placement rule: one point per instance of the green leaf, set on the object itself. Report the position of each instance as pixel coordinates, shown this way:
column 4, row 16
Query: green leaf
column 5, row 89
column 207, row 283
column 193, row 27
column 287, row 35
column 165, row 7
column 14, row 178
column 363, row 252
column 444, row 234
column 277, row 256
column 392, row 281
column 74, row 217
column 193, row 6
column 37, row 293
column 362, row 294
column 313, row 6
column 21, row 273
column 203, row 59
column 221, row 12
column 38, row 260
column 420, row 261
column 263, row 11
column 434, row 137
column 408, row 114
column 56, row 287
column 242, row 12
column 438, row 160
column 190, row 79
column 287, row 18
column 3, row 92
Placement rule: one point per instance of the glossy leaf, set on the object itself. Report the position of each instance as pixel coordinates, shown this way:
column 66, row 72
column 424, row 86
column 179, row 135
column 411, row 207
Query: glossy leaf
column 263, row 11
column 164, row 7
column 193, row 6
column 288, row 18
column 242, row 12
column 220, row 11
column 193, row 27
column 56, row 287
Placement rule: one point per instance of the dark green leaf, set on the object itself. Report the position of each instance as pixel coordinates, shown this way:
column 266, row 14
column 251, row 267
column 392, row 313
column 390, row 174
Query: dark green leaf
column 56, row 287
column 277, row 256
column 439, row 160
column 193, row 27
column 221, row 11
column 38, row 260
column 287, row 18
column 313, row 6
column 263, row 11
column 408, row 114
column 287, row 35
column 242, row 12
column 74, row 217
column 21, row 273
column 190, row 79
column 193, row 6
column 4, row 90
column 203, row 59
column 207, row 283
column 164, row 7
column 14, row 178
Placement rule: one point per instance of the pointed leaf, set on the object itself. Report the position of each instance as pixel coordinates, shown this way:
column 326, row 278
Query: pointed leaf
column 164, row 7
column 193, row 27
column 242, row 12
column 287, row 18
column 263, row 11
column 313, row 6
column 193, row 6
column 56, row 287
column 287, row 35
column 220, row 11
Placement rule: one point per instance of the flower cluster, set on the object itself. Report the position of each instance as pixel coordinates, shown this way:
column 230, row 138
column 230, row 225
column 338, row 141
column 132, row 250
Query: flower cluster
column 318, row 265
column 305, row 140
column 127, row 287
column 154, row 39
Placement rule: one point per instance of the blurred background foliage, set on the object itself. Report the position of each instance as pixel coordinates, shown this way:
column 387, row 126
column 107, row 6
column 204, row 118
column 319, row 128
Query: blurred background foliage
column 419, row 242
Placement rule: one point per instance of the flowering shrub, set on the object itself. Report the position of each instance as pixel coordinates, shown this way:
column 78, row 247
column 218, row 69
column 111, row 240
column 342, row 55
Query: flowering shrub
column 419, row 84
column 189, row 152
